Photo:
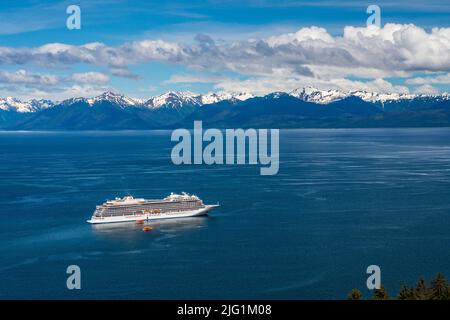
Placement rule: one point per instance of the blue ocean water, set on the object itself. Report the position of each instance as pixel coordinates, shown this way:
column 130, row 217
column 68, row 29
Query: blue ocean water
column 342, row 200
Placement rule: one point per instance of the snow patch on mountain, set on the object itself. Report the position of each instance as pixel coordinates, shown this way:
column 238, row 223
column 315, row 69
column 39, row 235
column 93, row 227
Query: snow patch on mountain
column 311, row 94
column 174, row 99
column 214, row 97
column 16, row 105
column 177, row 100
column 115, row 98
column 381, row 97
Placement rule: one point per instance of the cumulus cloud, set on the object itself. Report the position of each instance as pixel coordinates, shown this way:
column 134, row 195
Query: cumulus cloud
column 26, row 78
column 439, row 79
column 395, row 47
column 308, row 56
column 89, row 77
column 81, row 91
column 23, row 77
column 181, row 78
column 304, row 34
column 57, row 54
column 426, row 89
column 28, row 84
column 124, row 73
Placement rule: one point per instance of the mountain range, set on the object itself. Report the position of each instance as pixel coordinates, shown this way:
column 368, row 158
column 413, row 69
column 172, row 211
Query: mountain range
column 301, row 108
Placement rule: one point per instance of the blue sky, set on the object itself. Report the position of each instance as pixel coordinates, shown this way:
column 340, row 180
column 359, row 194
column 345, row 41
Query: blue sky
column 144, row 48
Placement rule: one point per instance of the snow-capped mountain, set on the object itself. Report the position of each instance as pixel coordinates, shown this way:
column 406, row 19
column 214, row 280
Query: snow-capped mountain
column 171, row 100
column 16, row 105
column 311, row 94
column 174, row 99
column 305, row 107
column 382, row 97
column 275, row 95
column 106, row 97
column 214, row 97
column 177, row 100
column 118, row 99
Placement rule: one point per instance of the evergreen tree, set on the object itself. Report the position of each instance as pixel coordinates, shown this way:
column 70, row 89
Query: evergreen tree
column 406, row 293
column 439, row 288
column 380, row 294
column 355, row 294
column 421, row 291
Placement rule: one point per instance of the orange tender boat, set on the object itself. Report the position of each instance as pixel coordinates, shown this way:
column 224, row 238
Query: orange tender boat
column 147, row 228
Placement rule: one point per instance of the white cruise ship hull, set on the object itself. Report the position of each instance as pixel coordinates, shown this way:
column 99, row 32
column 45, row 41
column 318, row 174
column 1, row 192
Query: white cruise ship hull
column 152, row 216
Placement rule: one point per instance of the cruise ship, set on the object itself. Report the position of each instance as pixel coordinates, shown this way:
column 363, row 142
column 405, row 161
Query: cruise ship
column 129, row 209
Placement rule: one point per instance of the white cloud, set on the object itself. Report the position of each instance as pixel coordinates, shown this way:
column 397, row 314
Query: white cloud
column 81, row 91
column 304, row 34
column 23, row 77
column 399, row 47
column 309, row 56
column 440, row 79
column 124, row 73
column 426, row 89
column 395, row 47
column 90, row 77
column 26, row 78
column 181, row 78
column 26, row 85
